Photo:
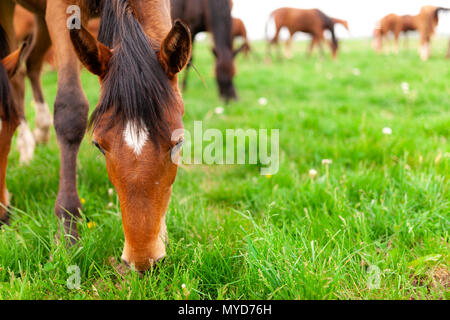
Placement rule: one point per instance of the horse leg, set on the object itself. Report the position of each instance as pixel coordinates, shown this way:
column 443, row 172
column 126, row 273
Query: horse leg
column 7, row 129
column 70, row 117
column 396, row 42
column 275, row 42
column 34, row 68
column 321, row 49
column 424, row 47
column 312, row 46
column 288, row 53
column 25, row 140
column 448, row 51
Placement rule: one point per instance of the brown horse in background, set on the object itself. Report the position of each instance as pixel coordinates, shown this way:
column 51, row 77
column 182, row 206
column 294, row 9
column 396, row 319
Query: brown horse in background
column 140, row 108
column 212, row 16
column 25, row 23
column 10, row 114
column 396, row 25
column 428, row 21
column 239, row 31
column 311, row 21
column 425, row 22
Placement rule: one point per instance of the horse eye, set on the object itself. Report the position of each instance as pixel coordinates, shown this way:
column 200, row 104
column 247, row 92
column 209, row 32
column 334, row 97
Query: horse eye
column 180, row 143
column 95, row 143
column 177, row 148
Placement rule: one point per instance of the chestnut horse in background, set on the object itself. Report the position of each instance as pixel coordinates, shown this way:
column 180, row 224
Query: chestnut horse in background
column 311, row 21
column 212, row 16
column 137, row 124
column 428, row 21
column 425, row 22
column 396, row 25
column 239, row 31
column 9, row 113
column 26, row 23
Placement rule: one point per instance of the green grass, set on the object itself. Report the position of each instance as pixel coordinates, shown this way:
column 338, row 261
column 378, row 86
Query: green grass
column 235, row 234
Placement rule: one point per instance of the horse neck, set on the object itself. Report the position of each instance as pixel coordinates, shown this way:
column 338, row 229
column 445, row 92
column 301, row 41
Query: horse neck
column 219, row 23
column 154, row 16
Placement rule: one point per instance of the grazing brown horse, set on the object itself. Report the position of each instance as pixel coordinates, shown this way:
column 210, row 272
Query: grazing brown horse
column 137, row 59
column 239, row 31
column 213, row 16
column 396, row 25
column 428, row 21
column 425, row 22
column 9, row 113
column 311, row 21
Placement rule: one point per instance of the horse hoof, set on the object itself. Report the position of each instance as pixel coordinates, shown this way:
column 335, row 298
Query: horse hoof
column 5, row 219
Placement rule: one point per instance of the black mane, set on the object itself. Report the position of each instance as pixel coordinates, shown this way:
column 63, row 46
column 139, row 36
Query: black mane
column 136, row 86
column 6, row 101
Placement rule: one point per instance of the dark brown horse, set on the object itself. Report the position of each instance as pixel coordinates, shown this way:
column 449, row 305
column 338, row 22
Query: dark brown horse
column 137, row 61
column 213, row 16
column 9, row 113
column 311, row 21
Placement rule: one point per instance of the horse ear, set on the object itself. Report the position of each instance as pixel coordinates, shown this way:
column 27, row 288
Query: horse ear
column 93, row 54
column 176, row 49
column 15, row 59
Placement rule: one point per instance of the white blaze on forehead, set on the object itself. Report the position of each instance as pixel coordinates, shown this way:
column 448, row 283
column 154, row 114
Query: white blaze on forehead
column 135, row 137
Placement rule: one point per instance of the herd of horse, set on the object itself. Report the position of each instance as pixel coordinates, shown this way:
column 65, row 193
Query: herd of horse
column 136, row 48
column 425, row 23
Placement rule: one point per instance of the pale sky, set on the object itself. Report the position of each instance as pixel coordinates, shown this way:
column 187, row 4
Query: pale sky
column 362, row 15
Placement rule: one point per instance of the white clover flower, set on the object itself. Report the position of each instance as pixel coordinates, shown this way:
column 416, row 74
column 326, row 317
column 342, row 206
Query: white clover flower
column 219, row 110
column 387, row 131
column 327, row 162
column 110, row 192
column 183, row 286
column 356, row 72
column 405, row 87
column 312, row 173
column 262, row 101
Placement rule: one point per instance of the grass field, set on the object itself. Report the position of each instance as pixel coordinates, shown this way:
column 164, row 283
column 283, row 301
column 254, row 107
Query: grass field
column 375, row 225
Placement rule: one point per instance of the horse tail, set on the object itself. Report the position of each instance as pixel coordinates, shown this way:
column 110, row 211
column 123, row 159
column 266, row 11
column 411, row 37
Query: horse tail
column 439, row 9
column 271, row 18
column 328, row 24
column 341, row 22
